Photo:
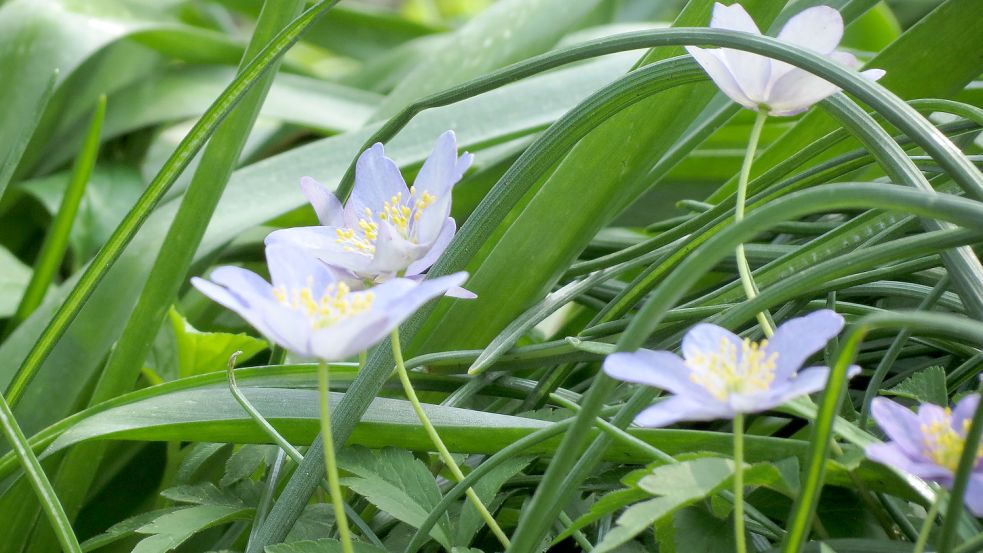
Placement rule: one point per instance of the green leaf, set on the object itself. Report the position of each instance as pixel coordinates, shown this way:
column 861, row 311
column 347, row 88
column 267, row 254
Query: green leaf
column 320, row 546
column 124, row 529
column 203, row 352
column 694, row 530
column 395, row 482
column 14, row 277
column 677, row 485
column 246, row 461
column 170, row 530
column 469, row 521
column 925, row 386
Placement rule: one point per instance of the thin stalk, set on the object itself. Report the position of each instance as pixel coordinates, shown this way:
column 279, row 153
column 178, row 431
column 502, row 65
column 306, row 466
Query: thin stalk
column 933, row 511
column 56, row 240
column 445, row 454
column 743, row 269
column 39, row 481
column 330, row 463
column 739, row 483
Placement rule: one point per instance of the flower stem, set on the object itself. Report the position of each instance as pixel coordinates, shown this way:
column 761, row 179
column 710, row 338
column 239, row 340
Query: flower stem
column 933, row 511
column 39, row 481
column 445, row 454
column 739, row 483
column 743, row 268
column 330, row 463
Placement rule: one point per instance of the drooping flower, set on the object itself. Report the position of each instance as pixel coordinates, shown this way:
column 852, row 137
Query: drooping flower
column 761, row 83
column 929, row 444
column 721, row 375
column 310, row 312
column 386, row 229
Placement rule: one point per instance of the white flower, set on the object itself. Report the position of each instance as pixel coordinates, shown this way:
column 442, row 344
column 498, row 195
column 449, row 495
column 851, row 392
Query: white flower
column 761, row 83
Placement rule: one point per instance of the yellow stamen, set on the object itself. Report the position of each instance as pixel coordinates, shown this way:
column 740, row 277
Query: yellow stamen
column 336, row 303
column 943, row 443
column 724, row 372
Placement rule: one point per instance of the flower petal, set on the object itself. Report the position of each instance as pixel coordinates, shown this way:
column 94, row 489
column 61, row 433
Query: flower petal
column 798, row 339
column 732, row 18
column 322, row 242
column 679, row 408
column 350, row 337
column 964, row 410
column 440, row 172
column 706, row 338
column 974, row 494
column 892, row 455
column 819, row 28
column 377, row 180
column 806, row 381
column 295, row 268
column 401, row 297
column 393, row 253
column 661, row 369
column 873, row 74
column 436, row 249
column 797, row 91
column 899, row 423
column 326, row 205
column 460, row 293
column 712, row 62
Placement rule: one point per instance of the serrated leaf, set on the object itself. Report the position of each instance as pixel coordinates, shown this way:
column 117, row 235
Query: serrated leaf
column 925, row 386
column 469, row 522
column 202, row 352
column 246, row 461
column 678, row 485
column 173, row 529
column 694, row 530
column 316, row 522
column 203, row 493
column 124, row 529
column 396, row 482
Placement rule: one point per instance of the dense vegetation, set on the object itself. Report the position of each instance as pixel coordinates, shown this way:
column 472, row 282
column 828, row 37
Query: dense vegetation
column 619, row 200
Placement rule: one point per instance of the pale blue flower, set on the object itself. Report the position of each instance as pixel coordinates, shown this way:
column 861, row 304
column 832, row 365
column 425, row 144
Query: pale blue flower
column 929, row 444
column 386, row 229
column 721, row 374
column 761, row 83
column 310, row 312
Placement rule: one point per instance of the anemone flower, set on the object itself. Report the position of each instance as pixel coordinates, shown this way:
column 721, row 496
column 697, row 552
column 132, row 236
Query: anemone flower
column 721, row 375
column 386, row 229
column 764, row 84
column 929, row 444
column 310, row 312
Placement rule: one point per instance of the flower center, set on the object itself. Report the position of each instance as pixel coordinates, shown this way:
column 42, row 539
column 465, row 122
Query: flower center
column 944, row 443
column 398, row 213
column 725, row 372
column 337, row 303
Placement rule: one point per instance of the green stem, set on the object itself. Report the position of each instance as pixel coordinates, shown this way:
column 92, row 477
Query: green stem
column 445, row 454
column 739, row 483
column 330, row 463
column 933, row 511
column 35, row 474
column 743, row 268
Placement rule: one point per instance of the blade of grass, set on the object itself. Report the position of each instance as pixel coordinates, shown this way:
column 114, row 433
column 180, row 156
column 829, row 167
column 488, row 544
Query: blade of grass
column 56, row 241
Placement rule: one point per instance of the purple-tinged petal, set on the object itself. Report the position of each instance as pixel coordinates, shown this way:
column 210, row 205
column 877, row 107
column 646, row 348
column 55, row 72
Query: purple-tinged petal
column 680, row 408
column 964, row 410
column 436, row 249
column 661, row 369
column 442, row 169
column 711, row 61
column 244, row 282
column 322, row 242
column 279, row 324
column 974, row 494
column 350, row 337
column 326, row 205
column 294, row 268
column 401, row 297
column 377, row 180
column 798, row 339
column 706, row 338
column 819, row 28
column 797, row 91
column 750, row 71
column 929, row 413
column 892, row 455
column 899, row 423
column 806, row 381
column 393, row 253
